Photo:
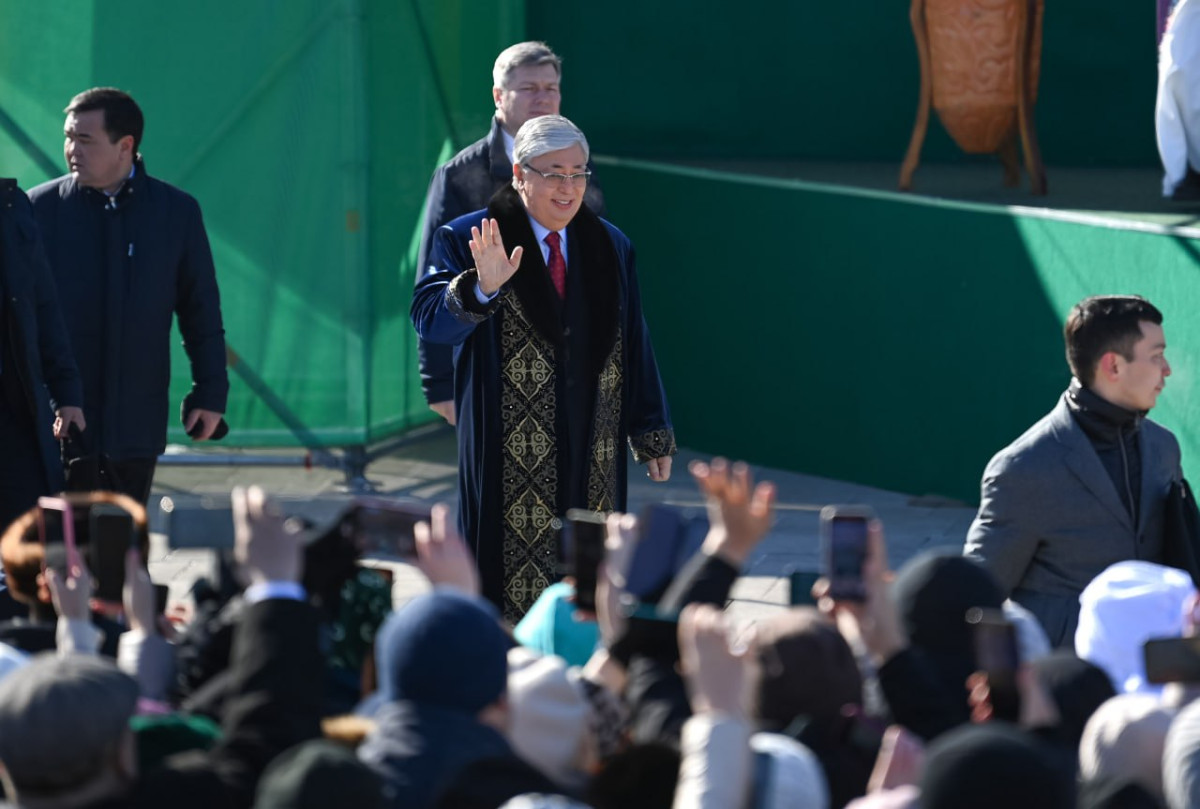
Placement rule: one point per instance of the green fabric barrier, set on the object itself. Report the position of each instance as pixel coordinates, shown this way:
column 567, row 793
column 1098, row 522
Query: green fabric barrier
column 308, row 131
column 830, row 80
column 875, row 337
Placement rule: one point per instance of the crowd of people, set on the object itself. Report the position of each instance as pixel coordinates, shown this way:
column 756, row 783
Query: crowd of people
column 295, row 682
column 285, row 691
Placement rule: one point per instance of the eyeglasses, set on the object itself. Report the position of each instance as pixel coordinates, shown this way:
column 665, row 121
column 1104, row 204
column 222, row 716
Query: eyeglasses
column 570, row 179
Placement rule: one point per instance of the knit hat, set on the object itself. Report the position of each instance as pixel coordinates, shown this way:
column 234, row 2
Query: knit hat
column 933, row 592
column 790, row 776
column 161, row 736
column 443, row 649
column 60, row 718
column 1123, row 607
column 1125, row 738
column 1078, row 688
column 318, row 774
column 1181, row 759
column 552, row 627
column 548, row 715
column 993, row 766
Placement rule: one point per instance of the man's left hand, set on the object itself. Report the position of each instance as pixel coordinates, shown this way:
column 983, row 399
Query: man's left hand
column 66, row 416
column 659, row 469
column 208, row 419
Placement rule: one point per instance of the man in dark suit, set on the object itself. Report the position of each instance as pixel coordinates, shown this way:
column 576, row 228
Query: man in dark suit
column 36, row 366
column 526, row 83
column 1085, row 486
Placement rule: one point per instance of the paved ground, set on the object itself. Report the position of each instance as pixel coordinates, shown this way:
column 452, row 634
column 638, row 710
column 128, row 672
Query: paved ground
column 425, row 469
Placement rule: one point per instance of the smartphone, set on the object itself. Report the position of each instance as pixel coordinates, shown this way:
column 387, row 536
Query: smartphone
column 1172, row 660
column 583, row 546
column 111, row 533
column 844, row 550
column 997, row 655
column 204, row 522
column 800, row 584
column 56, row 530
column 381, row 527
column 667, row 539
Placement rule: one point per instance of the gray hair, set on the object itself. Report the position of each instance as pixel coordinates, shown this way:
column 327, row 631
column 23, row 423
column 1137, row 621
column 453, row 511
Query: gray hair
column 547, row 133
column 520, row 55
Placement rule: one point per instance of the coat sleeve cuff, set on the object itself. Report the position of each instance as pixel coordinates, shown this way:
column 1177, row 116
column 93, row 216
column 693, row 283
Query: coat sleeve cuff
column 655, row 444
column 461, row 301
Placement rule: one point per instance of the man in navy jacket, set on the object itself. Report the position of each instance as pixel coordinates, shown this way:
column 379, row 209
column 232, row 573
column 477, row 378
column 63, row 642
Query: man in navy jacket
column 128, row 252
column 525, row 84
column 35, row 364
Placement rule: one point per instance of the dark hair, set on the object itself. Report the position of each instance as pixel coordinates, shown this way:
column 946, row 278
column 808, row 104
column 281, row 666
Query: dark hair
column 122, row 115
column 21, row 552
column 1104, row 323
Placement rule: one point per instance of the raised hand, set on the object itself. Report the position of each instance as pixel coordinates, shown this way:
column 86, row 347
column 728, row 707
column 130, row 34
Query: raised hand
column 717, row 676
column 739, row 512
column 442, row 555
column 493, row 265
column 267, row 548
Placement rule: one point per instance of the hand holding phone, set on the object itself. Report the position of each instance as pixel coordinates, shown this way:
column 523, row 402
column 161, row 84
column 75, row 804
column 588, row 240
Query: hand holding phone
column 384, row 527
column 844, row 550
column 583, row 544
column 111, row 534
column 997, row 656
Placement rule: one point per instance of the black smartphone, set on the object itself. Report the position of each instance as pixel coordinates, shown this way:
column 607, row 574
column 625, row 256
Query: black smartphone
column 384, row 527
column 111, row 533
column 1172, row 660
column 583, row 546
column 844, row 550
column 800, row 584
column 998, row 656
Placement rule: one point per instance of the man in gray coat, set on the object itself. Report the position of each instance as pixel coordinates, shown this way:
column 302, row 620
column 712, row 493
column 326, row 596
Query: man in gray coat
column 1085, row 486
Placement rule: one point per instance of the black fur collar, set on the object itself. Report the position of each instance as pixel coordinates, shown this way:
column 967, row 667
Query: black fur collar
column 592, row 254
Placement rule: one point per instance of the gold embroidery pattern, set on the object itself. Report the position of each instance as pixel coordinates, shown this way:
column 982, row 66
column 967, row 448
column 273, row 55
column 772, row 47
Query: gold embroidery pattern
column 530, row 472
column 606, row 426
column 654, row 444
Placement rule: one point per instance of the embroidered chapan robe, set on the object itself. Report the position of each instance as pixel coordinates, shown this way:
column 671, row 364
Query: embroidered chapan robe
column 547, row 390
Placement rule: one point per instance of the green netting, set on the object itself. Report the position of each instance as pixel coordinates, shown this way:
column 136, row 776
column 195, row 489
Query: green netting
column 307, row 129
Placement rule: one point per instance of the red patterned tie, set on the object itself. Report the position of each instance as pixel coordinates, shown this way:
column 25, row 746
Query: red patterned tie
column 557, row 264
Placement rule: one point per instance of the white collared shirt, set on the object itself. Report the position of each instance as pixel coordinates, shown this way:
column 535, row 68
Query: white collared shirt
column 540, row 233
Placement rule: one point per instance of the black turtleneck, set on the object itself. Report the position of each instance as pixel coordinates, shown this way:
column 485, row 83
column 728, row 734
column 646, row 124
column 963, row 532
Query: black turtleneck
column 1113, row 432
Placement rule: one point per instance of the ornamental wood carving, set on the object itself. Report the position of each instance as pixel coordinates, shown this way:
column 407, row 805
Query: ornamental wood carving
column 980, row 63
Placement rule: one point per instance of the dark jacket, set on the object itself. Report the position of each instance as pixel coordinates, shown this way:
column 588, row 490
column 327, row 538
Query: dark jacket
column 274, row 703
column 463, row 184
column 123, row 271
column 436, row 757
column 33, row 326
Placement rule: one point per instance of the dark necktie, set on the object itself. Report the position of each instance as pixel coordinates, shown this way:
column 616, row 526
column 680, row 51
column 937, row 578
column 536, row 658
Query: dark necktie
column 557, row 264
